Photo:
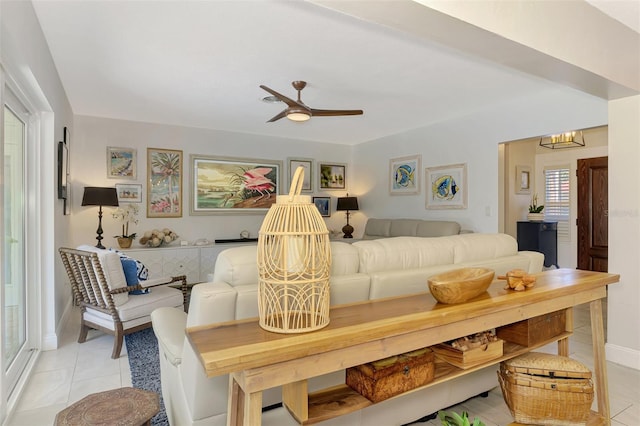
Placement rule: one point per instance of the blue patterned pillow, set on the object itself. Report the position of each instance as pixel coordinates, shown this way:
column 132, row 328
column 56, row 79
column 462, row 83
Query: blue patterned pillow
column 134, row 271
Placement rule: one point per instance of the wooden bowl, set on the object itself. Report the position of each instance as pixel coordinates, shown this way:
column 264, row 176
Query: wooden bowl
column 460, row 285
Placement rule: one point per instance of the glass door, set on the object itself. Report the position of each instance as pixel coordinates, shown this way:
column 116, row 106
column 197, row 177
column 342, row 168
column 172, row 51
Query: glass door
column 15, row 347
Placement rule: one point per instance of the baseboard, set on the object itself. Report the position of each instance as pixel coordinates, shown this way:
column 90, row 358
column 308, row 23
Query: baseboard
column 50, row 342
column 623, row 356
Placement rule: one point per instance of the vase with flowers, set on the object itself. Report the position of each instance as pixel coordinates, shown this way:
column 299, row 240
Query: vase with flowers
column 535, row 210
column 127, row 213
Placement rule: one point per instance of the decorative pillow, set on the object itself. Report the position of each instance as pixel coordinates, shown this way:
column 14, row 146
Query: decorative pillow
column 130, row 269
column 134, row 271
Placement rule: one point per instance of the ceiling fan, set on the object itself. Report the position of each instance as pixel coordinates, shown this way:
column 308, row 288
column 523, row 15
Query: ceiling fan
column 298, row 111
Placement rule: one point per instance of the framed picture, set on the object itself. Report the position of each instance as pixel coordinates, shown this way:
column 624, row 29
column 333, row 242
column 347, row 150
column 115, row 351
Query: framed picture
column 233, row 185
column 121, row 163
column 63, row 166
column 523, row 180
column 332, row 176
column 164, row 182
column 404, row 175
column 129, row 193
column 307, row 163
column 446, row 187
column 324, row 205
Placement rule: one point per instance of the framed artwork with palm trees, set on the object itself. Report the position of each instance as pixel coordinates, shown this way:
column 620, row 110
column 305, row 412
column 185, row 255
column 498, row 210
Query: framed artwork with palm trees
column 164, row 185
column 233, row 185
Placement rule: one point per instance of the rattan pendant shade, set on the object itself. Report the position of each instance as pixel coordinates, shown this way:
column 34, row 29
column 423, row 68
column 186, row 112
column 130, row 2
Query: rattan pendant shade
column 294, row 260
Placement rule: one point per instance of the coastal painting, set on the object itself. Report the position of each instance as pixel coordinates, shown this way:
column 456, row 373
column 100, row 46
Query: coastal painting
column 121, row 163
column 164, row 186
column 233, row 185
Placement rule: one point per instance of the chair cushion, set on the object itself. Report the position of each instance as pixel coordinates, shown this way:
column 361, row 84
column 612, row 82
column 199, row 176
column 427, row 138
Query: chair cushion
column 112, row 269
column 138, row 309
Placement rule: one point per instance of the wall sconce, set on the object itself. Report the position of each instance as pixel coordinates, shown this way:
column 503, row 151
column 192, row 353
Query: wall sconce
column 345, row 204
column 96, row 196
column 563, row 140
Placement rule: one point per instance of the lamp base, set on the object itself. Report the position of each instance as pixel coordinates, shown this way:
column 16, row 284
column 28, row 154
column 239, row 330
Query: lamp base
column 347, row 230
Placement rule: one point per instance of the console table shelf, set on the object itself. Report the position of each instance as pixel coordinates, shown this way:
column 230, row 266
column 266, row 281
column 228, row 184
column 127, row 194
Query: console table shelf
column 322, row 404
column 367, row 331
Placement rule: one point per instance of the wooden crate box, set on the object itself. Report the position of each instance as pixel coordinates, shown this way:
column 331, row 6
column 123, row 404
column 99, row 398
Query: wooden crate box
column 471, row 357
column 534, row 330
column 382, row 379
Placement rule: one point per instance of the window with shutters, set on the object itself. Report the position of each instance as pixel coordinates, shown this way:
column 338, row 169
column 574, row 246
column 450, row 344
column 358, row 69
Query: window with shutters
column 557, row 201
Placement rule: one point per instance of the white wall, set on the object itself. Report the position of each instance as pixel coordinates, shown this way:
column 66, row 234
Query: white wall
column 623, row 339
column 27, row 61
column 89, row 168
column 472, row 139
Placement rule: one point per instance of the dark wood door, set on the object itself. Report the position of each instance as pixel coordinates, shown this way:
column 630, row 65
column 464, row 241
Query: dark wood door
column 593, row 214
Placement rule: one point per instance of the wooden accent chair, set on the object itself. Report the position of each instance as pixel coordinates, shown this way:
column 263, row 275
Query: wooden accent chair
column 100, row 289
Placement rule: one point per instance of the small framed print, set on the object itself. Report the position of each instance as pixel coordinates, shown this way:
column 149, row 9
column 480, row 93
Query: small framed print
column 523, row 180
column 121, row 163
column 332, row 176
column 307, row 163
column 324, row 205
column 129, row 193
column 404, row 175
column 446, row 187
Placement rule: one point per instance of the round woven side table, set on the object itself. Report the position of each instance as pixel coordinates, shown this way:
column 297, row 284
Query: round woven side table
column 123, row 406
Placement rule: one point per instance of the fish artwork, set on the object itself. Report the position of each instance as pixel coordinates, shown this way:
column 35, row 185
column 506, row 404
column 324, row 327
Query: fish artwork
column 444, row 188
column 404, row 175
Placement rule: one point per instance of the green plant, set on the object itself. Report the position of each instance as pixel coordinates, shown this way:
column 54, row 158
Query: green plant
column 450, row 418
column 534, row 207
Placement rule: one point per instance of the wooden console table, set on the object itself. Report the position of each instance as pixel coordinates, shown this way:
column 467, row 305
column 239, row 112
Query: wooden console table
column 362, row 332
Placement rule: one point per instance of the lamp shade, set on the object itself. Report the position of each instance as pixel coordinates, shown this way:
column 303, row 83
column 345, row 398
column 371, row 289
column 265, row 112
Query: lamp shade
column 98, row 196
column 347, row 203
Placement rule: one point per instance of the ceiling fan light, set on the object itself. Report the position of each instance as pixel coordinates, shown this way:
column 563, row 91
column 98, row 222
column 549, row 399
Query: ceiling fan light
column 298, row 114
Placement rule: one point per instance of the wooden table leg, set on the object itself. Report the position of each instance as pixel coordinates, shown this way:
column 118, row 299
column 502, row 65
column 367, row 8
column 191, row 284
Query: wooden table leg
column 563, row 344
column 599, row 360
column 235, row 402
column 243, row 409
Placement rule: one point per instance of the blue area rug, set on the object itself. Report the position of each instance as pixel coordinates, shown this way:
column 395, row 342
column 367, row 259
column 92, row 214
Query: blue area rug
column 144, row 363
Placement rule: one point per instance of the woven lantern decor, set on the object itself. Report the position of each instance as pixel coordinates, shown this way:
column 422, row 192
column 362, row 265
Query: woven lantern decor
column 294, row 259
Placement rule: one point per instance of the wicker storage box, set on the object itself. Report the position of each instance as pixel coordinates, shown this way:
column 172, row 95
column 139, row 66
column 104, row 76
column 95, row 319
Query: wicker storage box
column 534, row 330
column 392, row 376
column 545, row 389
column 471, row 357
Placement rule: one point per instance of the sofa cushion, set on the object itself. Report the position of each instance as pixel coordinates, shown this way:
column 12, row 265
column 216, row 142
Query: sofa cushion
column 344, row 258
column 113, row 273
column 377, row 228
column 437, row 228
column 389, row 254
column 404, row 227
column 237, row 266
column 477, row 247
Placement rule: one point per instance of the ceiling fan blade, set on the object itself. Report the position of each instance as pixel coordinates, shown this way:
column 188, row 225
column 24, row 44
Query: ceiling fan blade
column 334, row 112
column 278, row 117
column 282, row 97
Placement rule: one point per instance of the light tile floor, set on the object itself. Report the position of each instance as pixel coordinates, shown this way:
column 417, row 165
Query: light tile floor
column 66, row 375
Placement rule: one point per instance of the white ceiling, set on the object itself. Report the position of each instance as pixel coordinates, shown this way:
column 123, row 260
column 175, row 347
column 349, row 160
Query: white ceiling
column 199, row 64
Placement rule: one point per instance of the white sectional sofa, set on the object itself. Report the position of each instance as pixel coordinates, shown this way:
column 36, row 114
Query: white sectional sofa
column 361, row 271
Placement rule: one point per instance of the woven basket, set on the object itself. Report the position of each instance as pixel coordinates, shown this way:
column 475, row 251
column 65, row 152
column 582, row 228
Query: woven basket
column 294, row 261
column 544, row 389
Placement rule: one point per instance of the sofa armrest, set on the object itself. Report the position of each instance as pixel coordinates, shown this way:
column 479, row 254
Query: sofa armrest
column 169, row 326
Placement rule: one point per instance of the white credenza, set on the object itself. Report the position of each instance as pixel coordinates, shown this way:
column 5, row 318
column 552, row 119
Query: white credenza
column 196, row 262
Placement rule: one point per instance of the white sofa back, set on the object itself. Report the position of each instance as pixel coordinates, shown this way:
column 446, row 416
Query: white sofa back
column 402, row 265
